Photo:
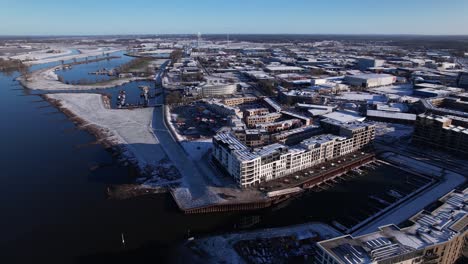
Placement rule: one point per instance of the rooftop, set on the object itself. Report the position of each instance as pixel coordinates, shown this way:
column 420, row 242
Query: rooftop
column 429, row 228
column 344, row 116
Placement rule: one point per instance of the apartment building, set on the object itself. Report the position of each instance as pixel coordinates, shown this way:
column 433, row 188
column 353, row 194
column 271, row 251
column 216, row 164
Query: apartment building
column 434, row 237
column 280, row 125
column 250, row 166
column 253, row 120
column 252, row 137
column 256, row 111
column 362, row 133
column 448, row 133
column 239, row 100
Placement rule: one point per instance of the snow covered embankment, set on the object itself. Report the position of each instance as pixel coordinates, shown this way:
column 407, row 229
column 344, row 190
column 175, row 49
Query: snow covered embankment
column 129, row 130
column 47, row 80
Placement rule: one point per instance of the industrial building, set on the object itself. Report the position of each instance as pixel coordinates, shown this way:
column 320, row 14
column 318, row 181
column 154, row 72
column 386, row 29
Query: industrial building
column 434, row 237
column 298, row 96
column 369, row 80
column 283, row 69
column 448, row 133
column 250, row 166
column 366, row 63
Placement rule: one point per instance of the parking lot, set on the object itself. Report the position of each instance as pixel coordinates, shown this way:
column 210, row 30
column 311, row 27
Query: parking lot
column 297, row 178
column 195, row 121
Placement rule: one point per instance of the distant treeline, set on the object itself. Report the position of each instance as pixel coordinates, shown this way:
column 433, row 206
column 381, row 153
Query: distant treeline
column 10, row 66
column 457, row 45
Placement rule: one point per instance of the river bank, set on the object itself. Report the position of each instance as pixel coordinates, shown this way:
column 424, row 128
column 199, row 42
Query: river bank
column 83, row 53
column 125, row 131
column 47, row 80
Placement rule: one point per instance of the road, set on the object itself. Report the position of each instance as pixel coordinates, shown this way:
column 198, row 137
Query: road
column 193, row 180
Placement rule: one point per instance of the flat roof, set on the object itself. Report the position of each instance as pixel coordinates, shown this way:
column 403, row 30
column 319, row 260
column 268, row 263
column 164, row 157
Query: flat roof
column 344, row 116
column 395, row 115
column 428, row 228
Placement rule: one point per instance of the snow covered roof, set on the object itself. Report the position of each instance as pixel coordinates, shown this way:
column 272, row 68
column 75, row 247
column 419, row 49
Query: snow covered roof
column 429, row 228
column 345, row 116
column 391, row 115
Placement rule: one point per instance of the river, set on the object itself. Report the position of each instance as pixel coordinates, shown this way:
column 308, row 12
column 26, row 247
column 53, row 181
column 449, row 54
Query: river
column 54, row 206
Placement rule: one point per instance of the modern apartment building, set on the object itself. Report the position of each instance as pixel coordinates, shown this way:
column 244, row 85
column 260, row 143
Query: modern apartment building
column 252, row 137
column 442, row 132
column 280, row 125
column 250, row 166
column 361, row 133
column 253, row 120
column 434, row 237
column 239, row 100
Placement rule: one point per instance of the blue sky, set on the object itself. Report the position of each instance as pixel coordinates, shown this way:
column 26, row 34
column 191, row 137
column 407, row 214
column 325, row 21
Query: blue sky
column 83, row 17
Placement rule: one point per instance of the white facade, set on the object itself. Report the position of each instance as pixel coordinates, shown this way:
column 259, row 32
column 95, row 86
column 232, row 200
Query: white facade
column 216, row 90
column 370, row 80
column 252, row 166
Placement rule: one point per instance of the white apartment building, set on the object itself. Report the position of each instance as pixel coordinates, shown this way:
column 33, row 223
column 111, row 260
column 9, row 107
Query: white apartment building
column 250, row 166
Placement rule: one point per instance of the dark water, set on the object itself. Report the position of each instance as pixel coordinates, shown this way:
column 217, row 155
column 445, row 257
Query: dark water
column 53, row 207
column 81, row 72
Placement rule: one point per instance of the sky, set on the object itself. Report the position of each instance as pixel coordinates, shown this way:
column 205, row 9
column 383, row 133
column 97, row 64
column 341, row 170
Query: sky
column 100, row 17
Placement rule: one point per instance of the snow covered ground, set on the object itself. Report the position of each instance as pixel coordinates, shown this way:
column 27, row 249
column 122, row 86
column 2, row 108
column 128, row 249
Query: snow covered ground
column 40, row 57
column 398, row 89
column 174, row 131
column 361, row 96
column 449, row 181
column 196, row 149
column 129, row 129
column 391, row 132
column 46, row 79
column 221, row 248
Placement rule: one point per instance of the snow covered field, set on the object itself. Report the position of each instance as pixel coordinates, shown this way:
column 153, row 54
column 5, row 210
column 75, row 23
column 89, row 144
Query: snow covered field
column 41, row 56
column 391, row 132
column 129, row 129
column 196, row 149
column 398, row 89
column 46, row 79
column 219, row 248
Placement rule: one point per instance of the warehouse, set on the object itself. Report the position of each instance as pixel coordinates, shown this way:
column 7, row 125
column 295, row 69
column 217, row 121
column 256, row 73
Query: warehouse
column 370, row 80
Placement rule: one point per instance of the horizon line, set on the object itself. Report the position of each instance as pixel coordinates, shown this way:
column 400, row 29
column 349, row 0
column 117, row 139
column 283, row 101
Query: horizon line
column 233, row 34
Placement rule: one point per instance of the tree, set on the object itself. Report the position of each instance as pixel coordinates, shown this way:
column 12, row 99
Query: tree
column 176, row 55
column 173, row 98
column 267, row 87
column 24, row 71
